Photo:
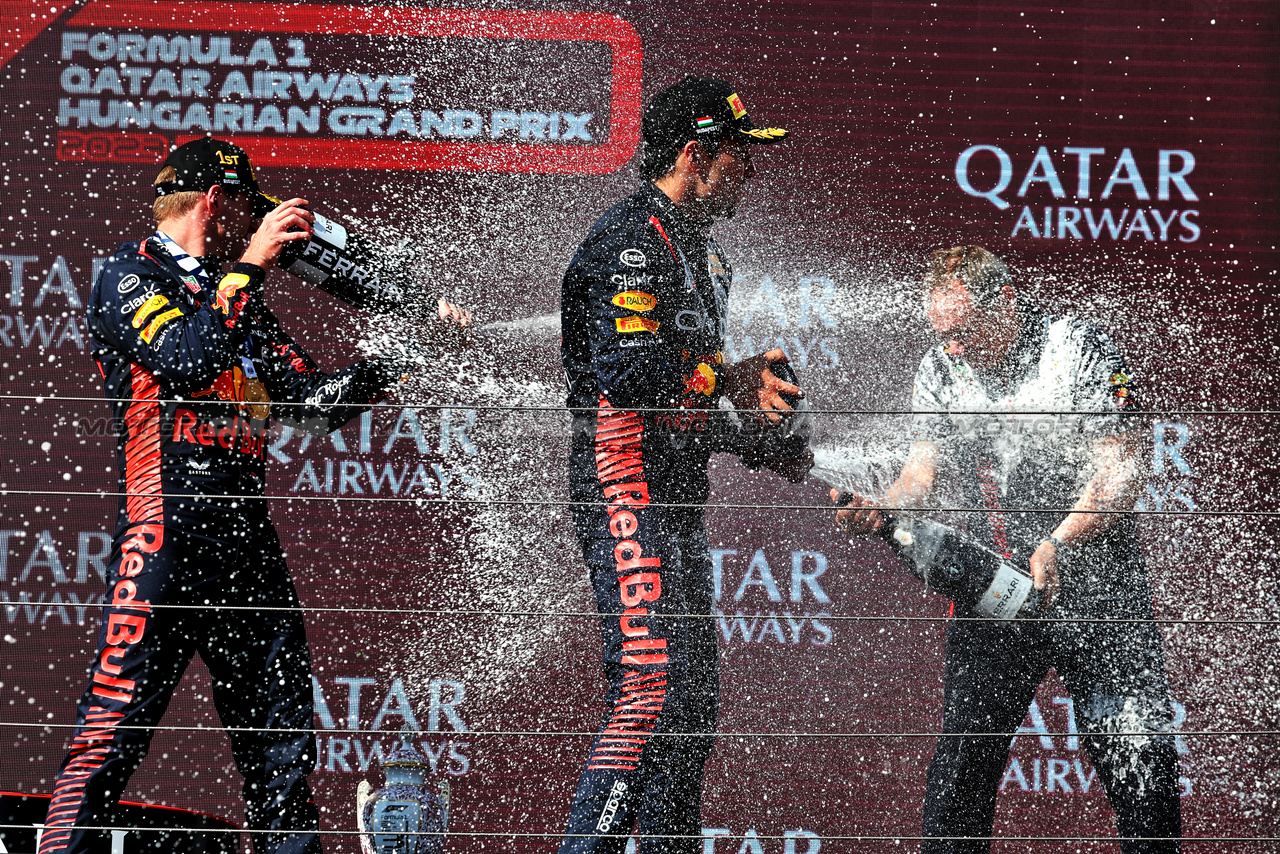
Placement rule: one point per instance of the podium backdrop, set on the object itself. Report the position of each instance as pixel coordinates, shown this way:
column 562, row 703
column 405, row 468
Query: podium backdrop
column 1121, row 157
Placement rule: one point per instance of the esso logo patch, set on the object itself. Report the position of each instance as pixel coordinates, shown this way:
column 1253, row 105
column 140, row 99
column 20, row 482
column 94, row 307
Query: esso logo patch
column 127, row 284
column 633, row 258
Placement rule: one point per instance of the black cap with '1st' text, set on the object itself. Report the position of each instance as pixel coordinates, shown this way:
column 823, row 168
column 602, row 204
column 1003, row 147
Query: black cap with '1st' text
column 204, row 163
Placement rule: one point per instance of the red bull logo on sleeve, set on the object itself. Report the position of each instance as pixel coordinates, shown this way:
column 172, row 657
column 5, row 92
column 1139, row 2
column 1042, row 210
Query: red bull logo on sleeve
column 231, row 296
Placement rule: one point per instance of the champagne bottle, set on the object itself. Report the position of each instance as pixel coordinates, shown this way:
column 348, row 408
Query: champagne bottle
column 964, row 571
column 348, row 266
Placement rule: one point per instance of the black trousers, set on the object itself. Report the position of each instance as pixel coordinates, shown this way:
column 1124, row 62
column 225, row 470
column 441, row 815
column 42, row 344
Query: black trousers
column 258, row 660
column 649, row 569
column 1115, row 673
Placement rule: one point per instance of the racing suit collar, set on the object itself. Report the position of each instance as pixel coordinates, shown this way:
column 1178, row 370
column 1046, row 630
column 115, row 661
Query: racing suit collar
column 689, row 228
column 212, row 266
column 158, row 250
column 189, row 266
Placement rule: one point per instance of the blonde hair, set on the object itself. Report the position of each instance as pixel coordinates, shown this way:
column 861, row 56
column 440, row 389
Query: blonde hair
column 983, row 273
column 173, row 204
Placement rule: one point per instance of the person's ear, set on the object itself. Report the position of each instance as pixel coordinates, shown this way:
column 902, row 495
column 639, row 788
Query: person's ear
column 696, row 155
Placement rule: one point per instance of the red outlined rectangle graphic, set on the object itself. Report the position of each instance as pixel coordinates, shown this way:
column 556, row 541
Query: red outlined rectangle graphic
column 624, row 111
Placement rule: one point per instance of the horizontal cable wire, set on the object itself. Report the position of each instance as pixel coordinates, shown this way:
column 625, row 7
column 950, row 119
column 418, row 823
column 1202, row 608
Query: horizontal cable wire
column 477, row 612
column 486, row 407
column 559, row 502
column 41, row 399
column 516, row 834
column 497, row 733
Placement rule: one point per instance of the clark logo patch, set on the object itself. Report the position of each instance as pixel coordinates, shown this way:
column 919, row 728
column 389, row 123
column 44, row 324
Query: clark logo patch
column 735, row 103
column 636, row 324
column 227, row 288
column 160, row 320
column 635, row 300
column 149, row 307
column 633, row 258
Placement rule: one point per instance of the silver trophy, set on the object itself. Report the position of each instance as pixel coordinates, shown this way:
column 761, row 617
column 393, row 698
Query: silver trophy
column 405, row 816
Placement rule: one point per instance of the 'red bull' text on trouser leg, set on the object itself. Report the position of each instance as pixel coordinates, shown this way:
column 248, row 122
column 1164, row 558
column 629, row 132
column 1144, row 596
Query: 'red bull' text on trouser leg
column 261, row 681
column 651, row 569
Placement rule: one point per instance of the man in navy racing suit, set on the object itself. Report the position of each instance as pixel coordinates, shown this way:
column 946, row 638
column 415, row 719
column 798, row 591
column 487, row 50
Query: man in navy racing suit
column 193, row 362
column 984, row 399
column 643, row 311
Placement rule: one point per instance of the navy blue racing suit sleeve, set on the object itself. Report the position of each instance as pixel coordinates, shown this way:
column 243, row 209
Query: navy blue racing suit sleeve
column 630, row 280
column 138, row 309
column 325, row 401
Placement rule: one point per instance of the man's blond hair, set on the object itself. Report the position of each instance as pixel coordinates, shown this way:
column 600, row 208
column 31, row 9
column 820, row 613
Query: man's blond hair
column 173, row 204
column 983, row 273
